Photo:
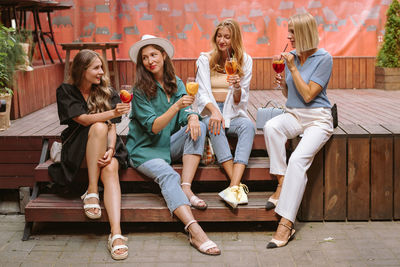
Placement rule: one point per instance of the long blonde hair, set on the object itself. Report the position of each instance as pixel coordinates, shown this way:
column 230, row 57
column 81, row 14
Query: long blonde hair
column 305, row 31
column 236, row 46
column 100, row 94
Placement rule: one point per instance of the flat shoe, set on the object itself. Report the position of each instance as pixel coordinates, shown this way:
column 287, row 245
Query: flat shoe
column 275, row 243
column 112, row 249
column 87, row 207
column 271, row 203
column 203, row 248
column 194, row 201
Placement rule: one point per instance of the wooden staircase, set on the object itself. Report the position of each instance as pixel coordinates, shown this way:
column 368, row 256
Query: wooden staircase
column 150, row 207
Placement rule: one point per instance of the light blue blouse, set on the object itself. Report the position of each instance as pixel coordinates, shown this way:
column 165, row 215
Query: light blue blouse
column 317, row 68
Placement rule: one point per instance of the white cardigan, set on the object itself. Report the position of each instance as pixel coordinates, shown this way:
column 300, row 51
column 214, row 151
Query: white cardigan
column 205, row 96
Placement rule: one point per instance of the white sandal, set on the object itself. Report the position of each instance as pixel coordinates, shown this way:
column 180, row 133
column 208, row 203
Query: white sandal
column 87, row 207
column 195, row 200
column 112, row 248
column 203, row 248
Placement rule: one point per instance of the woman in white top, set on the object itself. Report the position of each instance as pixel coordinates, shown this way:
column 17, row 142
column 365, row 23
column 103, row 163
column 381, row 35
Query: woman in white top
column 223, row 98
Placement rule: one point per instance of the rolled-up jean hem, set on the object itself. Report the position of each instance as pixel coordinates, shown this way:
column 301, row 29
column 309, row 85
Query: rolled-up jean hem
column 240, row 162
column 225, row 159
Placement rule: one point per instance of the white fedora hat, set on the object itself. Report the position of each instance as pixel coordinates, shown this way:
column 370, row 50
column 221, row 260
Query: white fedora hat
column 148, row 39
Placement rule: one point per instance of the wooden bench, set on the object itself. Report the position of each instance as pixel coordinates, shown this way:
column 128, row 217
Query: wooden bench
column 150, row 207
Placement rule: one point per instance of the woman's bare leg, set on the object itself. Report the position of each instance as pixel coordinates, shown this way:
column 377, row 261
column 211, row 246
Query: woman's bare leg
column 112, row 199
column 95, row 149
column 185, row 214
column 190, row 164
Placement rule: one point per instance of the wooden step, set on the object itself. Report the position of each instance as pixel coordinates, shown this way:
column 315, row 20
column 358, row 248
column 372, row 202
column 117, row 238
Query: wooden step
column 257, row 170
column 147, row 208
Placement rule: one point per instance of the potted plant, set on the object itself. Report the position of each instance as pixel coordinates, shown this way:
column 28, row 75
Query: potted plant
column 387, row 70
column 11, row 54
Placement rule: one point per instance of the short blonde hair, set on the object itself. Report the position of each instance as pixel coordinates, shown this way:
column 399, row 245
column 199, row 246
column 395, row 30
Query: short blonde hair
column 305, row 31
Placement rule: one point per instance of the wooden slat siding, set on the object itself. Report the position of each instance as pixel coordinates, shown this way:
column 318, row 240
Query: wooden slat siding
column 356, row 73
column 381, row 172
column 20, row 143
column 260, row 73
column 13, row 156
column 371, row 73
column 363, row 73
column 36, row 89
column 146, row 208
column 15, row 182
column 349, row 73
column 395, row 130
column 335, row 176
column 267, row 81
column 358, row 172
column 342, row 72
column 19, row 82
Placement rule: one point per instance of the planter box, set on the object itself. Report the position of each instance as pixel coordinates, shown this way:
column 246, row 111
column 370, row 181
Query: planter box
column 387, row 78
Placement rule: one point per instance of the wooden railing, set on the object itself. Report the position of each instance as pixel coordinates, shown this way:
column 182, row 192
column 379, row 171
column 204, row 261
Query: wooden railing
column 36, row 89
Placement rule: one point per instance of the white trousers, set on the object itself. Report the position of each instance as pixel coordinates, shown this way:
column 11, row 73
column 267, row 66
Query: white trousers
column 315, row 125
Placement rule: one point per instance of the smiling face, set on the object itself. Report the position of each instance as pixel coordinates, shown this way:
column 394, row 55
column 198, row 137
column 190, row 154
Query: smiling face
column 94, row 72
column 153, row 59
column 223, row 39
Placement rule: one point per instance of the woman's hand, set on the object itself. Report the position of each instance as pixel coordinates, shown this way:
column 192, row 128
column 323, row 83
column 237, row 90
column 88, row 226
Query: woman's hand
column 193, row 126
column 279, row 80
column 106, row 159
column 289, row 60
column 185, row 101
column 214, row 124
column 234, row 81
column 121, row 109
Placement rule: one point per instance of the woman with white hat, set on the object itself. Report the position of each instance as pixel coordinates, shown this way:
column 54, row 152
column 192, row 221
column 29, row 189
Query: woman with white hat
column 161, row 131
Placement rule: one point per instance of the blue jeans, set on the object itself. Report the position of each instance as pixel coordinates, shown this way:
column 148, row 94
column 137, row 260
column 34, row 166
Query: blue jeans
column 165, row 176
column 242, row 128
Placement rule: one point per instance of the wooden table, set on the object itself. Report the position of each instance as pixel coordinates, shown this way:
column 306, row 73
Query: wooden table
column 103, row 46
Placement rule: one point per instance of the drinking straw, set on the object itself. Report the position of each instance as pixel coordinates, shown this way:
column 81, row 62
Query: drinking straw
column 229, row 56
column 284, row 50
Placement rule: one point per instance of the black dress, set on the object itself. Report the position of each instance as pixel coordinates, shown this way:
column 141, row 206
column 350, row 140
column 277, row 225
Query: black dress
column 70, row 104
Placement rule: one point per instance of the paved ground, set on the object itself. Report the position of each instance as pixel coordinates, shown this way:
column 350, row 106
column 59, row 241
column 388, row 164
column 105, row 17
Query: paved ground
column 316, row 244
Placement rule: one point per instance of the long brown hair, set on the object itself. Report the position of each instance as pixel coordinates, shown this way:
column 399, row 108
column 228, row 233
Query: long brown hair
column 145, row 81
column 236, row 46
column 100, row 94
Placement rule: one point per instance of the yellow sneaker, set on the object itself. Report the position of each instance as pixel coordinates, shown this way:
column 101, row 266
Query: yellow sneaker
column 242, row 196
column 230, row 195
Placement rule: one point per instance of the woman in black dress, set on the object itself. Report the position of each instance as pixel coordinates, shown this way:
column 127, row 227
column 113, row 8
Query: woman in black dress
column 90, row 108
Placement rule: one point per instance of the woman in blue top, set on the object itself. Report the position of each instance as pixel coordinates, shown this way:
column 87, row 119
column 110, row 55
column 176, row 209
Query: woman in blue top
column 161, row 131
column 307, row 73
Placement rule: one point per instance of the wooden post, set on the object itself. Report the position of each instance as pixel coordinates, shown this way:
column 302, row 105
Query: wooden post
column 358, row 169
column 381, row 172
column 395, row 130
column 335, row 177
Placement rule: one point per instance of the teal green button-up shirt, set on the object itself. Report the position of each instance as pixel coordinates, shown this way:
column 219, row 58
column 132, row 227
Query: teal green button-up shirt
column 142, row 143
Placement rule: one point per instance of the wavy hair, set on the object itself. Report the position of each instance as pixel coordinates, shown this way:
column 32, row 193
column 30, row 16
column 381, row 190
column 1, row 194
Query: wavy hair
column 145, row 81
column 305, row 31
column 100, row 94
column 236, row 45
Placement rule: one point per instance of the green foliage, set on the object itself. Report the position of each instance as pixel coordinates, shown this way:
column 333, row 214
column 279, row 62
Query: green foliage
column 11, row 54
column 389, row 54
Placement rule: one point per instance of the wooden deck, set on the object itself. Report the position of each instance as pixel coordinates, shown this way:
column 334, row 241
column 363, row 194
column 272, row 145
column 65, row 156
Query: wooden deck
column 360, row 107
column 356, row 176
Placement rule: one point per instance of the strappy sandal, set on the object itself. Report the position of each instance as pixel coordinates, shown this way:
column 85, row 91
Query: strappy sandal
column 275, row 243
column 112, row 249
column 203, row 248
column 195, row 201
column 87, row 207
